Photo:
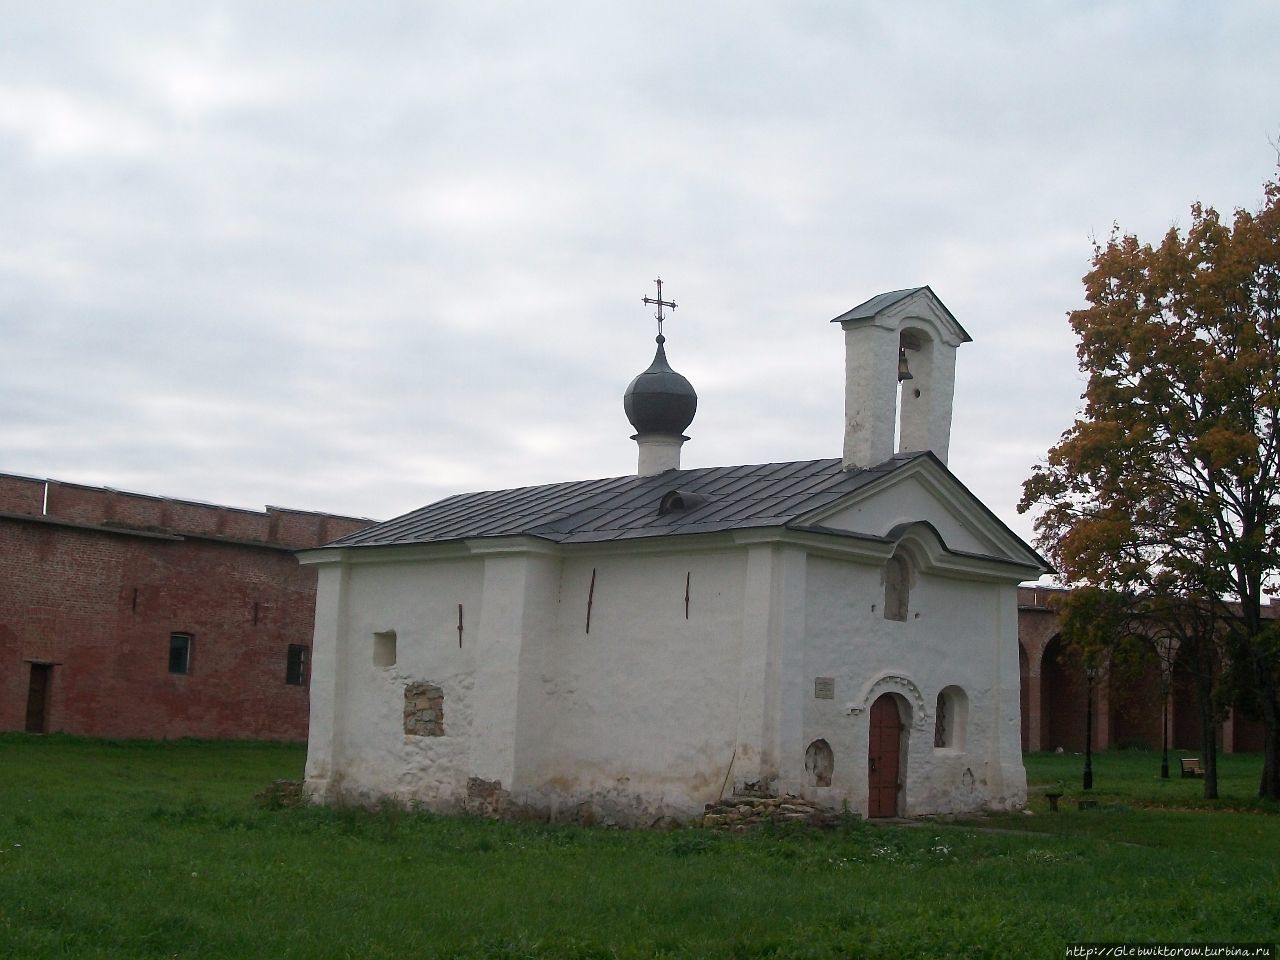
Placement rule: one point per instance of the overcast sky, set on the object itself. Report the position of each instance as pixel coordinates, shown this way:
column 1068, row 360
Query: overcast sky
column 354, row 257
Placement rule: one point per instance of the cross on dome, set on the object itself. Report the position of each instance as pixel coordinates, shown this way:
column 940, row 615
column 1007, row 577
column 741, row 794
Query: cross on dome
column 660, row 304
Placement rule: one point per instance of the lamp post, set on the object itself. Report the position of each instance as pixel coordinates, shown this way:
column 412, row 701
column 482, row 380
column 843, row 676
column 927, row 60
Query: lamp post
column 1091, row 674
column 1165, row 651
column 1164, row 737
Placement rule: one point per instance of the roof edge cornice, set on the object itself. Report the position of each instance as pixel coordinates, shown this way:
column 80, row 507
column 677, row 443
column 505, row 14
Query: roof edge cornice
column 932, row 553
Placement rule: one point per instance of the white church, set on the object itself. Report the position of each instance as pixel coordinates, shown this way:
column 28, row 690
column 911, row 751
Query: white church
column 640, row 646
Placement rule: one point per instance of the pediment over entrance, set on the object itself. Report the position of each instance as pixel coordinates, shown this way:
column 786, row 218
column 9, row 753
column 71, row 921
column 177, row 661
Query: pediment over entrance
column 924, row 503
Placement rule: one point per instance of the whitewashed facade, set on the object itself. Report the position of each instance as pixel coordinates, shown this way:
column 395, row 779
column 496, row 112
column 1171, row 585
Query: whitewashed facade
column 581, row 662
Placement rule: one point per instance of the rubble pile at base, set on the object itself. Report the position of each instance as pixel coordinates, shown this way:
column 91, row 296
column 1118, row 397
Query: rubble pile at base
column 744, row 813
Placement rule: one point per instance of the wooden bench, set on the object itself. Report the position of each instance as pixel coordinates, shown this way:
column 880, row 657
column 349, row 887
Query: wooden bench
column 1191, row 767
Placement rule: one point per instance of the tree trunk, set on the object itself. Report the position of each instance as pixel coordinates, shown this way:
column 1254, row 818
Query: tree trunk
column 1264, row 668
column 1208, row 737
column 1270, row 785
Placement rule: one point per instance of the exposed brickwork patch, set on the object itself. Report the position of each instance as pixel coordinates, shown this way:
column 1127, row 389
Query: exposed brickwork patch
column 423, row 710
column 485, row 798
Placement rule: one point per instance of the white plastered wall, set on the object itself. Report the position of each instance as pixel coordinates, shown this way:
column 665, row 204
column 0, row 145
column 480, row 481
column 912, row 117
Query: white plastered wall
column 955, row 634
column 638, row 715
column 358, row 749
column 906, row 502
column 649, row 713
column 926, row 399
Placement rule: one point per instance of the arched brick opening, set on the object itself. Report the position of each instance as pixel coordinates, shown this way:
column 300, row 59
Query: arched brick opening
column 1134, row 687
column 1246, row 735
column 1184, row 733
column 1184, row 726
column 1241, row 733
column 1063, row 698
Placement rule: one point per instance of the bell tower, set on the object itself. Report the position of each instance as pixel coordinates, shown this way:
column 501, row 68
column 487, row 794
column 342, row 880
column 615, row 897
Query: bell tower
column 900, row 366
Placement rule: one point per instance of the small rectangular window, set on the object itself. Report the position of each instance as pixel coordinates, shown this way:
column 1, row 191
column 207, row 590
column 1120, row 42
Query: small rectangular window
column 179, row 653
column 295, row 671
column 384, row 649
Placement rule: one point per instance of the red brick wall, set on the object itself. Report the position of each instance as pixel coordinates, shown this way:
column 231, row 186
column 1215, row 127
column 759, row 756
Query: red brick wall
column 100, row 506
column 298, row 529
column 70, row 501
column 248, row 525
column 21, row 495
column 195, row 518
column 100, row 605
column 135, row 510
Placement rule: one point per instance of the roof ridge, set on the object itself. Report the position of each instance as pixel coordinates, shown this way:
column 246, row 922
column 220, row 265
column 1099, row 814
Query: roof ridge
column 608, row 507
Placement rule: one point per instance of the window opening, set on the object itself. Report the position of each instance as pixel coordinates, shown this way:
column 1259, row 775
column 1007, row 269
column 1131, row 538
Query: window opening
column 38, row 698
column 295, row 671
column 384, row 649
column 897, row 587
column 949, row 718
column 179, row 653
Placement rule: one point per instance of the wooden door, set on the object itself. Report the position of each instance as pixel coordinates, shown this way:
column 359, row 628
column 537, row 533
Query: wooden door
column 38, row 697
column 883, row 758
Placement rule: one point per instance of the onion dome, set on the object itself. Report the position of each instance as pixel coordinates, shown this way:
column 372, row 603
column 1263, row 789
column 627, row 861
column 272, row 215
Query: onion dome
column 660, row 400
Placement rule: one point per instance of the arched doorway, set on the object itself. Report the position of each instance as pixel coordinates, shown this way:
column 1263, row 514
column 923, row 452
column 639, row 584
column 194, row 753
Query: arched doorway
column 885, row 761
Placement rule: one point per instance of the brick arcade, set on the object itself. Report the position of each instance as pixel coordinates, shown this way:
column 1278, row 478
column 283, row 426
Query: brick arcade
column 1127, row 709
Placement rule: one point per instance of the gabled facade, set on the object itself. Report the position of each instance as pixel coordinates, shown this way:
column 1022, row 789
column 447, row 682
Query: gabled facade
column 641, row 646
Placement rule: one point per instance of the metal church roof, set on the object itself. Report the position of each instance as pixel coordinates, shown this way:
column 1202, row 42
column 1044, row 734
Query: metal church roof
column 714, row 499
column 883, row 301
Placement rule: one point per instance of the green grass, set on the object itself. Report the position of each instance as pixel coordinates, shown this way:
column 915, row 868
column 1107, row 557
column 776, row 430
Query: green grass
column 1133, row 777
column 158, row 850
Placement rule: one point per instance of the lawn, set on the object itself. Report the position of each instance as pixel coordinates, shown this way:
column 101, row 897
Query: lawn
column 159, row 850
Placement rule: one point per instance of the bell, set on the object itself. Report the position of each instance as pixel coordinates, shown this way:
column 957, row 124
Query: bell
column 903, row 372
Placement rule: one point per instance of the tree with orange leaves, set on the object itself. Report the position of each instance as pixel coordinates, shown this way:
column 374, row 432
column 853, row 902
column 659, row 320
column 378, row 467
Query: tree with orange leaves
column 1166, row 486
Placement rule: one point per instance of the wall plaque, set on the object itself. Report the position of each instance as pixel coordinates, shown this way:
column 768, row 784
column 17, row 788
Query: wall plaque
column 824, row 688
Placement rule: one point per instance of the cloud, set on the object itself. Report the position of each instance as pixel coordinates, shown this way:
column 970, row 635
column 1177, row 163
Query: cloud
column 357, row 257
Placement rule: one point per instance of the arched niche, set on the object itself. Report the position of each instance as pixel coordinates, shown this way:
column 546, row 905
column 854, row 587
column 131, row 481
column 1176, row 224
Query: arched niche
column 950, row 718
column 819, row 763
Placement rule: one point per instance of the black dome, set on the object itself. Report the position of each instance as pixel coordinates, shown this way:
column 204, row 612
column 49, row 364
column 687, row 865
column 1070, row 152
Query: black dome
column 660, row 400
